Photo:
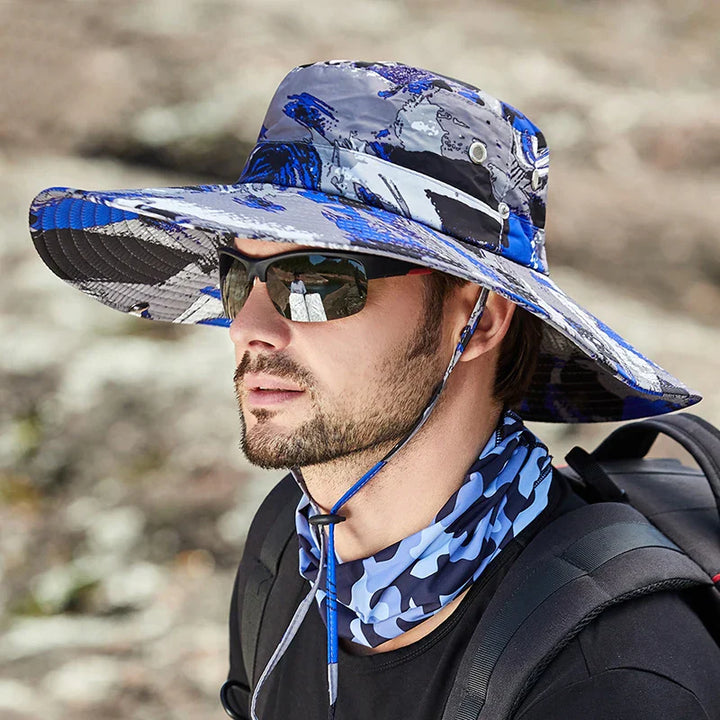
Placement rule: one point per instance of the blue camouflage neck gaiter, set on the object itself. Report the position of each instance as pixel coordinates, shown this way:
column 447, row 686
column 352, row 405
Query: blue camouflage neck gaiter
column 384, row 595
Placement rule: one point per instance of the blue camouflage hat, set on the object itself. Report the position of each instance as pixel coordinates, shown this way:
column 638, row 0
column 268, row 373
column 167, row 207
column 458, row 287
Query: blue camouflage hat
column 379, row 158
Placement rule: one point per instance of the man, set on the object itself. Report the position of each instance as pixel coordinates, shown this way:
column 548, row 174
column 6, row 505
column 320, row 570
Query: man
column 297, row 285
column 420, row 203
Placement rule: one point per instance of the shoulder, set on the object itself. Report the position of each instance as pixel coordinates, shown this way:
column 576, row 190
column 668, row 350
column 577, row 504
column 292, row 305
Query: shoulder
column 270, row 532
column 650, row 657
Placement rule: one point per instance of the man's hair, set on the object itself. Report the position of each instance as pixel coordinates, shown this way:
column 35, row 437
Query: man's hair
column 519, row 349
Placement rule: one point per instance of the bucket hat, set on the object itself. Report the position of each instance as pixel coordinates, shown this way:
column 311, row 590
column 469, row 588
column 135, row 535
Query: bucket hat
column 379, row 158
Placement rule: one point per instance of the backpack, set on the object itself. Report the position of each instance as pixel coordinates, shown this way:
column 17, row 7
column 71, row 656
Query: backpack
column 651, row 525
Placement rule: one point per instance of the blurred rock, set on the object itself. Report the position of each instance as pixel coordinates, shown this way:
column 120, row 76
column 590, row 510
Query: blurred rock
column 135, row 586
column 19, row 697
column 84, row 681
column 232, row 526
column 115, row 531
column 60, row 588
column 27, row 637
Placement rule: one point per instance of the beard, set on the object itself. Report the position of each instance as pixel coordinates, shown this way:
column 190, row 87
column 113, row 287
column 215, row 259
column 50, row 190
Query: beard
column 389, row 411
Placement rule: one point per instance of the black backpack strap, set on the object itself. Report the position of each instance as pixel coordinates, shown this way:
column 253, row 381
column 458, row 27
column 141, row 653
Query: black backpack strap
column 697, row 436
column 261, row 575
column 270, row 533
column 582, row 563
column 595, row 484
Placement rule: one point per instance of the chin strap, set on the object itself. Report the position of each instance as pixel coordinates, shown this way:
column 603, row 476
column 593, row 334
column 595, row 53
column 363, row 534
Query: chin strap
column 328, row 559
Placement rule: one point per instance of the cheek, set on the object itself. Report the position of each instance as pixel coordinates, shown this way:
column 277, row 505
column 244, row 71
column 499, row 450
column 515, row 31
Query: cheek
column 344, row 357
column 353, row 354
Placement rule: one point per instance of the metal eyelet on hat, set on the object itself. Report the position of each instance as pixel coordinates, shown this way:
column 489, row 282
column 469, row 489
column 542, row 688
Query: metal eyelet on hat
column 504, row 211
column 477, row 152
column 535, row 179
column 139, row 308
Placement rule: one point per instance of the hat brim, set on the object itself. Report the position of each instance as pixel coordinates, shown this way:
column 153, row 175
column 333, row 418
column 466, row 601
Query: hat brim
column 153, row 252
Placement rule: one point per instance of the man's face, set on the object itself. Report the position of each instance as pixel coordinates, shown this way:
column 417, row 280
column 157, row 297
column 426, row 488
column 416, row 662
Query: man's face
column 313, row 392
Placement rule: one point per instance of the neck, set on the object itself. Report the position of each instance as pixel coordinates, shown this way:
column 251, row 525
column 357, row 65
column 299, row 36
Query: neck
column 408, row 492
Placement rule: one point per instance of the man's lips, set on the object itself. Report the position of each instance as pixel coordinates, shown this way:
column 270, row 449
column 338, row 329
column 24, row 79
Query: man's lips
column 262, row 390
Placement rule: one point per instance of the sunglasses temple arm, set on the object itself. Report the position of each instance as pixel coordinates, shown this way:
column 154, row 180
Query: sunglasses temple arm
column 469, row 329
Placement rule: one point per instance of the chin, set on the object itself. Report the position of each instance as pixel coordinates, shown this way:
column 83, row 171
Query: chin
column 269, row 450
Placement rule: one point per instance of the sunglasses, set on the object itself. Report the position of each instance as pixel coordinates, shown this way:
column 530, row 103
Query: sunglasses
column 307, row 285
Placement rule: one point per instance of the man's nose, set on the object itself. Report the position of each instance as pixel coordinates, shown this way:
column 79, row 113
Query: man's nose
column 259, row 325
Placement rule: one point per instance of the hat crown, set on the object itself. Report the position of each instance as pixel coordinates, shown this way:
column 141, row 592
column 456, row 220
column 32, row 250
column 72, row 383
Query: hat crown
column 415, row 143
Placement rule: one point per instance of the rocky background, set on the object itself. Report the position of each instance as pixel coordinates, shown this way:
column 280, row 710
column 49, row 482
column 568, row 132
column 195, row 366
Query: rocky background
column 123, row 497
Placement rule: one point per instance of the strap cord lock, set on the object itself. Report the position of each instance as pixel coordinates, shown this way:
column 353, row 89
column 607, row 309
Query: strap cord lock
column 329, row 519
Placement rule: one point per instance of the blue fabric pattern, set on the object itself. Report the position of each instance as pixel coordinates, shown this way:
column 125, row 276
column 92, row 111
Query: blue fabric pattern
column 382, row 596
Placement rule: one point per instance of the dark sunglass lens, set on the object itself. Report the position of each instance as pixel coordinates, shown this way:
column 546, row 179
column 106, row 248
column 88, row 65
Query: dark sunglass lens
column 313, row 288
column 234, row 286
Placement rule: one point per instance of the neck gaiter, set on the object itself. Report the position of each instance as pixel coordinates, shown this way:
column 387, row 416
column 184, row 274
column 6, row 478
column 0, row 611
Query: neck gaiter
column 384, row 595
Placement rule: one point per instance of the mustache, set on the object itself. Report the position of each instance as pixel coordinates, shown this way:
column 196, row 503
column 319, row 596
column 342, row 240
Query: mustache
column 277, row 364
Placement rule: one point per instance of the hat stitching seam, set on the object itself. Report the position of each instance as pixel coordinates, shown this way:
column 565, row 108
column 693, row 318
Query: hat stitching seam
column 140, row 260
column 76, row 233
column 42, row 235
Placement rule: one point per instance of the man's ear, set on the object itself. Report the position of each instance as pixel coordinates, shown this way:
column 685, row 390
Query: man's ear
column 492, row 327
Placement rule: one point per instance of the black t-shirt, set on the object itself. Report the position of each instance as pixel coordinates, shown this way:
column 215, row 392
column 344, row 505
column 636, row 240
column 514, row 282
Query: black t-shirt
column 647, row 658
